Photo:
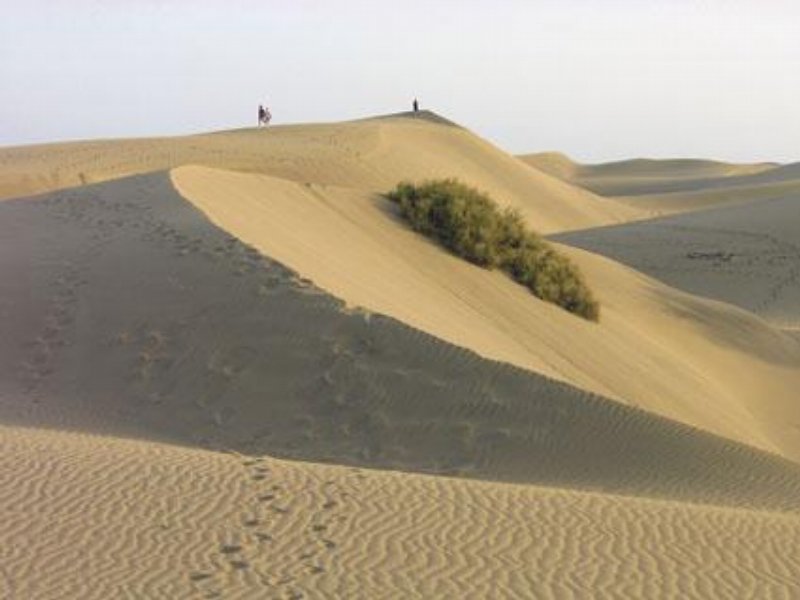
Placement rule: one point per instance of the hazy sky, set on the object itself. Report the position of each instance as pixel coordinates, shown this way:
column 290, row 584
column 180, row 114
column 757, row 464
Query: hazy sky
column 597, row 79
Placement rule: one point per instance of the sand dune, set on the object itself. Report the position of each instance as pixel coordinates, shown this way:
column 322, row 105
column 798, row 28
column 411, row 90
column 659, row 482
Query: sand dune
column 371, row 154
column 263, row 298
column 95, row 517
column 556, row 164
column 127, row 312
column 638, row 177
column 345, row 241
column 678, row 202
column 746, row 254
column 664, row 187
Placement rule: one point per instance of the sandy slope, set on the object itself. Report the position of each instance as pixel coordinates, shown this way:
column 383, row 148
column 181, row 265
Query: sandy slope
column 656, row 176
column 746, row 254
column 556, row 164
column 373, row 154
column 678, row 202
column 93, row 517
column 218, row 309
column 126, row 311
column 654, row 347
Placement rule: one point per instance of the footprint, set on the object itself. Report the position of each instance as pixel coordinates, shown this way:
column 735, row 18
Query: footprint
column 199, row 576
column 230, row 549
column 240, row 565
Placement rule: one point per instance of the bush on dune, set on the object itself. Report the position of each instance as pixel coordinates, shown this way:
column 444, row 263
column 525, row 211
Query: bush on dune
column 472, row 226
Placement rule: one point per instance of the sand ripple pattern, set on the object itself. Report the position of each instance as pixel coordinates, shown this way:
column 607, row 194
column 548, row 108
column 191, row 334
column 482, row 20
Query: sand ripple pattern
column 94, row 518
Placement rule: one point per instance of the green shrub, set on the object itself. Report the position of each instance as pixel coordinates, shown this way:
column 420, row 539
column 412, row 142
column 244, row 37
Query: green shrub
column 472, row 226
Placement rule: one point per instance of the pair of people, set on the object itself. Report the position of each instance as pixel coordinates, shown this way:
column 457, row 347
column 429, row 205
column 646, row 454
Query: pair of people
column 264, row 116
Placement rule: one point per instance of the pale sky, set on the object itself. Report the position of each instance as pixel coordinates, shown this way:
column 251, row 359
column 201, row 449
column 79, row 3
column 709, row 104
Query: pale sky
column 598, row 79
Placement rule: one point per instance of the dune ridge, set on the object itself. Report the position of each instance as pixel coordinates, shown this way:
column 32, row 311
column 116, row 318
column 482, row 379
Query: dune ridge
column 641, row 176
column 666, row 187
column 372, row 154
column 304, row 228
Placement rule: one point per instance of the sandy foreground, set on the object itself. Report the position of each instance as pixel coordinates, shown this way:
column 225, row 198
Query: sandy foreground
column 192, row 326
column 86, row 516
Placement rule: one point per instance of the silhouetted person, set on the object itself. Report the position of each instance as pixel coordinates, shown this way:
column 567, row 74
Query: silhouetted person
column 415, row 105
column 262, row 115
column 267, row 115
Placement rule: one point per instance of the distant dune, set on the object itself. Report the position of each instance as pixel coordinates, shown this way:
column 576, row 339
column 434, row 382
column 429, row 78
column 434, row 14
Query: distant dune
column 746, row 191
column 556, row 164
column 185, row 320
column 643, row 176
column 663, row 187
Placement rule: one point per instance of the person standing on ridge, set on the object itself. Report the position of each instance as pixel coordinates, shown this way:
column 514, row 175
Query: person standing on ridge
column 262, row 115
column 415, row 105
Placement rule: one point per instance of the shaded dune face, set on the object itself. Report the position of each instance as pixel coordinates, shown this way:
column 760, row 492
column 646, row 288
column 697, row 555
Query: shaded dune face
column 124, row 310
column 699, row 362
column 747, row 255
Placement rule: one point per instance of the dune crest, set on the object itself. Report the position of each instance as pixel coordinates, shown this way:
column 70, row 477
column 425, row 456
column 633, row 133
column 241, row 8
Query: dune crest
column 371, row 154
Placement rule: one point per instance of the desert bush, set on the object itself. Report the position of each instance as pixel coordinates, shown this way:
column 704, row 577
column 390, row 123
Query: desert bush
column 472, row 226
